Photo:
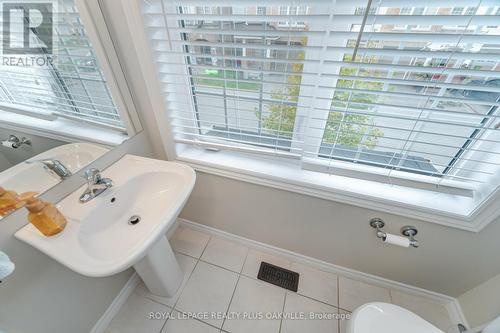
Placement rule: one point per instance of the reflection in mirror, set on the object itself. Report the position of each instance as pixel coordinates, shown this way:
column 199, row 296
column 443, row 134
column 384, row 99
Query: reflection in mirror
column 58, row 111
column 31, row 164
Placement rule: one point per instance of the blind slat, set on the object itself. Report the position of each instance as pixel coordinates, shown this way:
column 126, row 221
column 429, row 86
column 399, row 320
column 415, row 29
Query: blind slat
column 70, row 82
column 352, row 65
column 158, row 34
column 244, row 73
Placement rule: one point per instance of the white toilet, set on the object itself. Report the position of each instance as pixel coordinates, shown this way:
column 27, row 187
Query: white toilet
column 493, row 327
column 387, row 318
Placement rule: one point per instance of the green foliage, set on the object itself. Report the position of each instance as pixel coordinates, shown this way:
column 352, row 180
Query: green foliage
column 225, row 78
column 281, row 117
column 350, row 129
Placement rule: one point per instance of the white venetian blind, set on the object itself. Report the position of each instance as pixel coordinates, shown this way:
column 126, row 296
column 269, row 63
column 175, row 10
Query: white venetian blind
column 409, row 86
column 69, row 83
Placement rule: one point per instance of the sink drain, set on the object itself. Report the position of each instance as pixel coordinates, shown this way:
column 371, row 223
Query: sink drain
column 134, row 220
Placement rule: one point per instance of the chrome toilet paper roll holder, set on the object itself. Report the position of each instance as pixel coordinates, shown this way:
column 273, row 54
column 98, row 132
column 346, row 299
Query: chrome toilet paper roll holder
column 407, row 231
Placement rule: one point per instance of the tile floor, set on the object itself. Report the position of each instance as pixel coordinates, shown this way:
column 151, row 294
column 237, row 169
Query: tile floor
column 220, row 279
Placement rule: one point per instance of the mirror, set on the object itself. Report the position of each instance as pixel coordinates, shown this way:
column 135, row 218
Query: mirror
column 60, row 105
column 30, row 164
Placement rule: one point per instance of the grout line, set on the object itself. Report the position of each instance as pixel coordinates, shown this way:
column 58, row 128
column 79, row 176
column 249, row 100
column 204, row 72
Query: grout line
column 224, row 268
column 338, row 291
column 298, row 293
column 283, row 310
column 206, row 245
column 180, row 293
column 211, row 263
column 339, row 275
column 245, row 261
column 314, row 299
column 339, row 329
column 201, row 321
column 319, row 264
column 231, row 300
column 187, row 281
column 198, row 260
column 185, row 254
column 254, row 278
column 234, row 291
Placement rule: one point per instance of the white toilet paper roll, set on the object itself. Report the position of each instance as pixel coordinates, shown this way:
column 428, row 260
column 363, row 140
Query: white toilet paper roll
column 6, row 266
column 397, row 240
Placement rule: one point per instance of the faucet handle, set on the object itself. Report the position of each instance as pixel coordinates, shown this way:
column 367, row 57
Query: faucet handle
column 13, row 138
column 93, row 175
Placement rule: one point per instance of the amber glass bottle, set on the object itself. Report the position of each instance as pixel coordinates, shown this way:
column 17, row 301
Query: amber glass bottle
column 45, row 217
column 8, row 201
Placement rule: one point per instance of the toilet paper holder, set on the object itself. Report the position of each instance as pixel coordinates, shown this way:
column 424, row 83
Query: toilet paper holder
column 407, row 231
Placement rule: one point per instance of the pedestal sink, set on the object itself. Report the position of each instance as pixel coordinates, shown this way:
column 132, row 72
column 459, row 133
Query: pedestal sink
column 124, row 226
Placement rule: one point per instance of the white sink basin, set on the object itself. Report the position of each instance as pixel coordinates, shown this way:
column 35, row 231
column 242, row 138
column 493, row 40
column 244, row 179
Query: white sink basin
column 99, row 240
column 150, row 196
column 24, row 177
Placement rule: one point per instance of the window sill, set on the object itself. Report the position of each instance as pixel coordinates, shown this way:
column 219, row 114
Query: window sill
column 442, row 208
column 61, row 129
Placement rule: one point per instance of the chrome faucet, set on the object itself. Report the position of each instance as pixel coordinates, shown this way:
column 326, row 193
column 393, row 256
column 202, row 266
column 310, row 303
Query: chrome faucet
column 95, row 185
column 15, row 142
column 55, row 166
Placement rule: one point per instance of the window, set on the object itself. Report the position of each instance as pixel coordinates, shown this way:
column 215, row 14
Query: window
column 470, row 11
column 318, row 84
column 66, row 83
column 362, row 10
column 405, row 11
column 261, row 10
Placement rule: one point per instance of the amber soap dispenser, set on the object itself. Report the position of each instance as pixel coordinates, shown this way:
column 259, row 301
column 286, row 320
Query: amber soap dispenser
column 8, row 201
column 45, row 217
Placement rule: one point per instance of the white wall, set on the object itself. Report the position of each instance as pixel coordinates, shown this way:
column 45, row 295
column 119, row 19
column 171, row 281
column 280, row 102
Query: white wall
column 43, row 296
column 482, row 303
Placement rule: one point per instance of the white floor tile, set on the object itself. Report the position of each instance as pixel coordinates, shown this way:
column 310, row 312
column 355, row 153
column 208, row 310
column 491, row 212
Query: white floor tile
column 209, row 289
column 226, row 254
column 324, row 320
column 189, row 241
column 317, row 284
column 178, row 323
column 354, row 293
column 134, row 316
column 251, row 297
column 433, row 312
column 187, row 265
column 254, row 258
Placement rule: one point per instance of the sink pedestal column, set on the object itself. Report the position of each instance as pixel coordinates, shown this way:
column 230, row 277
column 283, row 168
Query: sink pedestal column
column 159, row 270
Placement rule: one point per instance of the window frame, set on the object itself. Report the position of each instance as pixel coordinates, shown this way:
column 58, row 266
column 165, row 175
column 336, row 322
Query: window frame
column 288, row 174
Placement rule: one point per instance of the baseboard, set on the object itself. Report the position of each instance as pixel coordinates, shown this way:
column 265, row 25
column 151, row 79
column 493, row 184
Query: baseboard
column 451, row 303
column 102, row 324
column 173, row 228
